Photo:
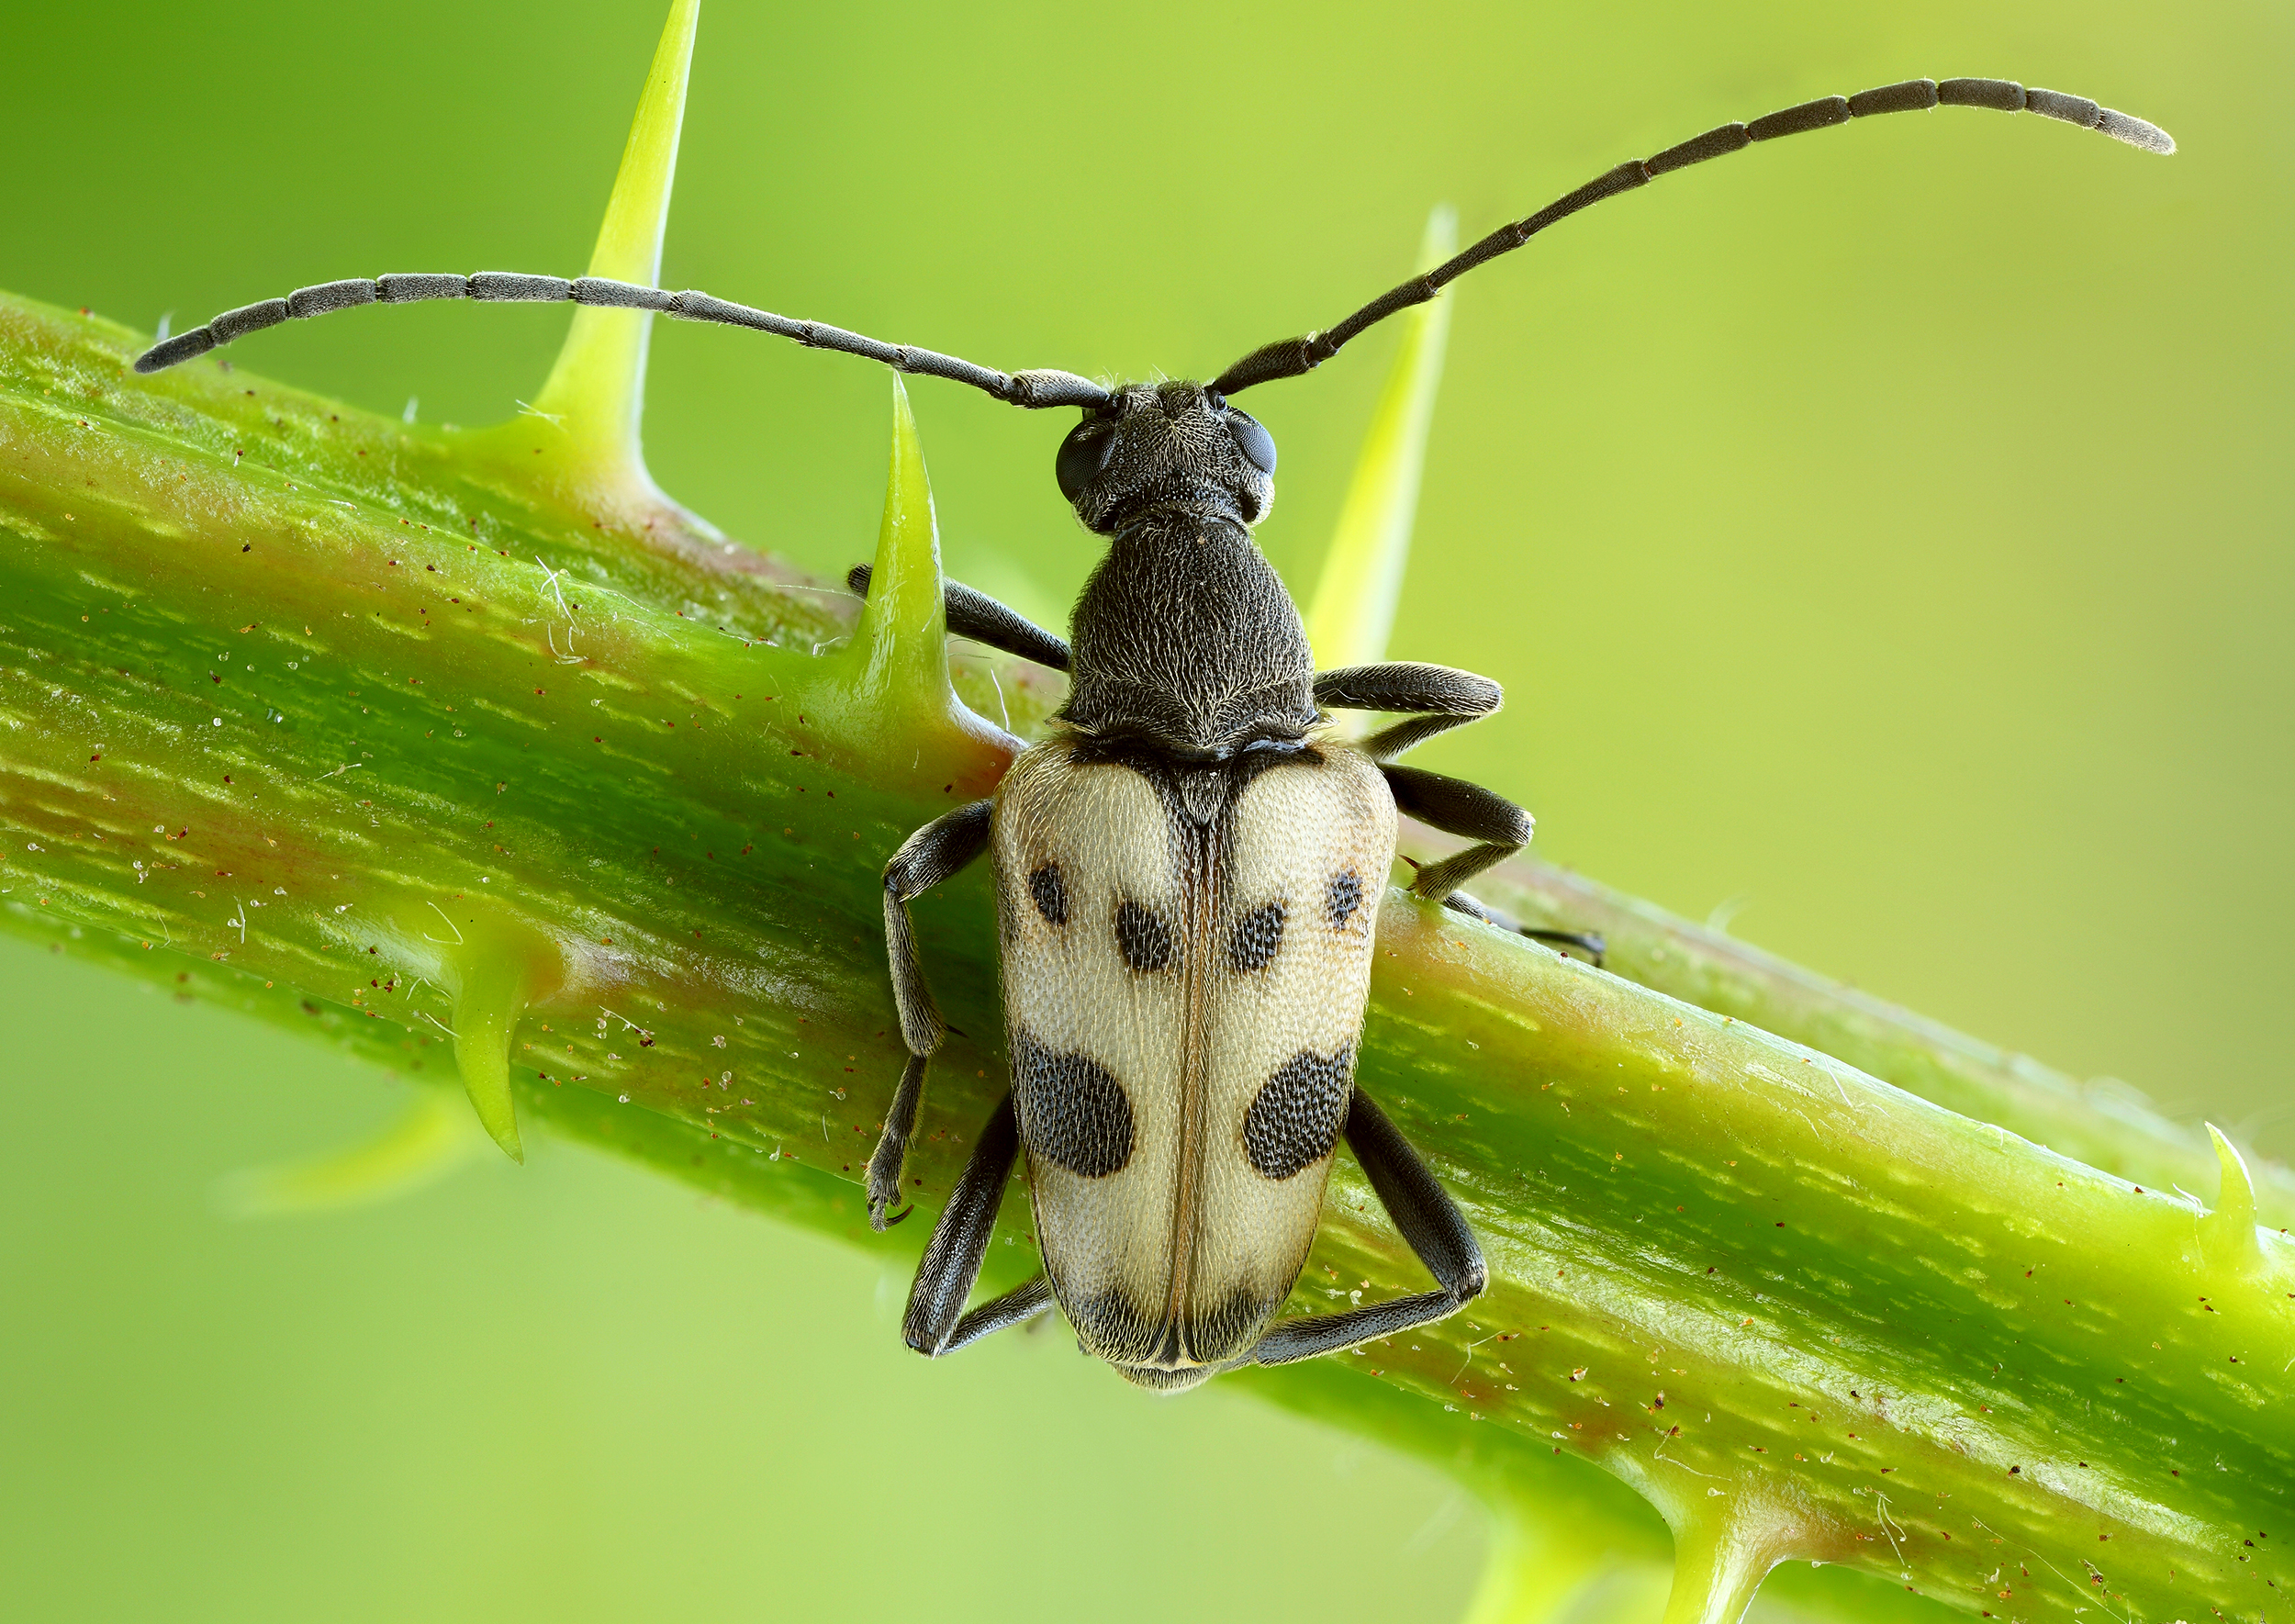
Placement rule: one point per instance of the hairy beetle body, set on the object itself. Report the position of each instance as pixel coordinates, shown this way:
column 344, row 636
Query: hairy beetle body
column 1188, row 878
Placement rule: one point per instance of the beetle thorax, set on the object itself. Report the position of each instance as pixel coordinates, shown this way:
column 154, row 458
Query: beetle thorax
column 1186, row 644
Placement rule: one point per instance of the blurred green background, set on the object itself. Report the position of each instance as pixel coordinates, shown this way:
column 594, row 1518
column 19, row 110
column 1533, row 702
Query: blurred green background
column 1884, row 538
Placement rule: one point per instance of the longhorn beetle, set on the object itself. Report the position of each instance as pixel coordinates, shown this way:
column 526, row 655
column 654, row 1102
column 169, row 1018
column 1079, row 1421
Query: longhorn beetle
column 1188, row 870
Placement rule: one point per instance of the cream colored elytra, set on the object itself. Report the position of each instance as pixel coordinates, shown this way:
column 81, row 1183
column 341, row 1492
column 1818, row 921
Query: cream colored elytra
column 1189, row 872
column 1189, row 962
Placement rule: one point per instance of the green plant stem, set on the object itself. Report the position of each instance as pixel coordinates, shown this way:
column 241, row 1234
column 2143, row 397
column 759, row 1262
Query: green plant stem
column 314, row 715
column 2107, row 1126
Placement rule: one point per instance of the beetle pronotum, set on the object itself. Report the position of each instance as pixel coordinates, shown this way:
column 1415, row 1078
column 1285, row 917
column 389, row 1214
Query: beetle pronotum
column 1189, row 869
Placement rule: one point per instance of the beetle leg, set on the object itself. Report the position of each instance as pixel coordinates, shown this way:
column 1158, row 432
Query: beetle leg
column 928, row 856
column 936, row 1322
column 892, row 1145
column 1590, row 943
column 1431, row 1225
column 1390, row 741
column 1457, row 807
column 1437, row 698
column 983, row 619
column 1016, row 1306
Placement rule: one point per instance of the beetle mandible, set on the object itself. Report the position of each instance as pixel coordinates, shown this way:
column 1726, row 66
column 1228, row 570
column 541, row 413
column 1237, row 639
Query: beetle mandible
column 1188, row 870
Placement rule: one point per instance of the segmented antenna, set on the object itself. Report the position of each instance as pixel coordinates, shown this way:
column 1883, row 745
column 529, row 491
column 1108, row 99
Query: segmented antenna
column 1032, row 389
column 1290, row 357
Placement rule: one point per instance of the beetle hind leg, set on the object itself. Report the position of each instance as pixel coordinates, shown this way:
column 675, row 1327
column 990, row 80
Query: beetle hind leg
column 936, row 1322
column 1016, row 1306
column 1436, row 1231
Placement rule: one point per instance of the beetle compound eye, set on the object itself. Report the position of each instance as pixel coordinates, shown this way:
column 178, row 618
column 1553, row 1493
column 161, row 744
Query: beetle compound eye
column 1083, row 454
column 1252, row 440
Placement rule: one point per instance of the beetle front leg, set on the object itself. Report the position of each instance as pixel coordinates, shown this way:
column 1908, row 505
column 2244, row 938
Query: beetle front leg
column 1432, row 1226
column 928, row 856
column 936, row 1322
column 975, row 614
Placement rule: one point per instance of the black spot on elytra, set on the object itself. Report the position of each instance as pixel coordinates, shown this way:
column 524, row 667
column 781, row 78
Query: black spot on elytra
column 1143, row 937
column 1256, row 939
column 1050, row 892
column 1222, row 1330
column 1343, row 898
column 1294, row 1119
column 1113, row 1327
column 1156, row 1349
column 1073, row 1114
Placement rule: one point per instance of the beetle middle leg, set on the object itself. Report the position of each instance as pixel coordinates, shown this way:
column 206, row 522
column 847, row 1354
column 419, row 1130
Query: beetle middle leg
column 1434, row 700
column 1437, row 698
column 1498, row 827
column 936, row 1322
column 928, row 856
column 1432, row 1226
column 1457, row 807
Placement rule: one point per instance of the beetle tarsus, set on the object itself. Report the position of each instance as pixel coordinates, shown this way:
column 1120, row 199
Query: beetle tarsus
column 1017, row 1306
column 1590, row 943
column 892, row 1144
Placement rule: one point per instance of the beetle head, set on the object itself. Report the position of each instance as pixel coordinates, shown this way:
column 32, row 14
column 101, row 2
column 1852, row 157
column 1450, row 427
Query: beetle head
column 1166, row 443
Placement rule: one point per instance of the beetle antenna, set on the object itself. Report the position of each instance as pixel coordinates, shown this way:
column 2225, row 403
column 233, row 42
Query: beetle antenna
column 1033, row 390
column 1290, row 357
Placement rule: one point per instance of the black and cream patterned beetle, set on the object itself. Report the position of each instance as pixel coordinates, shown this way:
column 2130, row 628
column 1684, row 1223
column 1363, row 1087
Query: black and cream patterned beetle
column 1189, row 871
column 1188, row 875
